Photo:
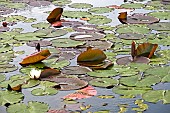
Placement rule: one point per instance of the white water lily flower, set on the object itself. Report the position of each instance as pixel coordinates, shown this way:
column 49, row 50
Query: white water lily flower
column 35, row 74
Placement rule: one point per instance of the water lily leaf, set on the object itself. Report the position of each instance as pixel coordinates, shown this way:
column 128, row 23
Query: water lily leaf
column 133, row 5
column 99, row 20
column 162, row 26
column 141, row 67
column 5, row 11
column 15, row 18
column 124, row 90
column 141, row 29
column 86, row 92
column 30, row 83
column 103, row 73
column 43, row 43
column 91, row 56
column 49, row 72
column 87, row 28
column 80, row 5
column 76, row 70
column 67, row 83
column 61, row 2
column 86, row 36
column 36, row 57
column 4, row 29
column 163, row 15
column 2, row 77
column 156, row 5
column 100, row 10
column 41, row 25
column 4, row 68
column 10, row 97
column 141, row 106
column 76, row 14
column 106, row 27
column 55, row 15
column 66, row 42
column 104, row 82
column 131, row 36
column 16, row 5
column 44, row 91
column 105, row 96
column 71, row 23
column 33, row 107
column 55, row 33
column 157, row 95
column 102, row 111
column 39, row 3
column 5, row 48
column 58, row 111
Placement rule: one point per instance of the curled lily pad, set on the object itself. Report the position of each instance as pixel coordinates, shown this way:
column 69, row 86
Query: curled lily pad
column 76, row 70
column 4, row 68
column 61, row 2
column 163, row 15
column 162, row 26
column 41, row 25
column 10, row 97
column 99, row 20
column 100, row 10
column 66, row 42
column 42, row 43
column 131, row 36
column 133, row 5
column 86, row 36
column 33, row 107
column 80, row 5
column 4, row 11
column 75, row 14
column 67, row 83
column 87, row 28
column 104, row 82
column 39, row 3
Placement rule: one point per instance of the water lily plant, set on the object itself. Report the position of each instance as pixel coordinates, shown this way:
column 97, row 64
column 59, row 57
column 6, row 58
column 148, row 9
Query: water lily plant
column 35, row 74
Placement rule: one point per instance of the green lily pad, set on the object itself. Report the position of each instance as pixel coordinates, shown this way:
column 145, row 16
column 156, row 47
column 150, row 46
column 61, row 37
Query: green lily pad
column 162, row 26
column 55, row 33
column 5, row 48
column 99, row 20
column 4, row 68
column 102, row 111
column 76, row 14
column 105, row 96
column 131, row 36
column 100, row 10
column 44, row 91
column 103, row 73
column 5, row 58
column 164, row 54
column 81, row 5
column 2, row 77
column 124, row 90
column 15, row 18
column 10, row 97
column 15, row 5
column 127, row 71
column 141, row 29
column 61, row 2
column 140, row 67
column 30, row 83
column 141, row 106
column 43, row 43
column 26, row 70
column 157, row 95
column 103, row 82
column 30, row 20
column 17, row 30
column 138, row 81
column 39, row 3
column 163, row 15
column 41, row 25
column 66, row 42
column 33, row 107
column 133, row 5
column 106, row 27
column 5, row 11
column 156, row 5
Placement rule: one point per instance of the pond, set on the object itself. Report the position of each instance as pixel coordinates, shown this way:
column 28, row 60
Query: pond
column 90, row 30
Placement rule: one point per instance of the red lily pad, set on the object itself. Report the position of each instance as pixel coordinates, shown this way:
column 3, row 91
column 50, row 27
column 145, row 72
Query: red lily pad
column 87, row 36
column 86, row 92
column 67, row 83
column 5, row 11
column 43, row 43
column 128, row 59
column 39, row 3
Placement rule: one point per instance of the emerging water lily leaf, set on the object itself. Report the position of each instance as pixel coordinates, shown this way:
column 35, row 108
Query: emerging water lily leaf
column 33, row 107
column 91, row 56
column 55, row 15
column 86, row 92
column 49, row 72
column 16, row 88
column 36, row 57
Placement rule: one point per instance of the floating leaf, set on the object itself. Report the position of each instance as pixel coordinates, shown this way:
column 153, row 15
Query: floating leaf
column 87, row 28
column 162, row 26
column 163, row 15
column 80, row 5
column 133, row 5
column 2, row 77
column 4, row 68
column 43, row 43
column 44, row 91
column 131, row 36
column 15, row 18
column 49, row 72
column 105, row 96
column 55, row 33
column 55, row 15
column 41, row 25
column 33, row 107
column 61, row 2
column 10, row 97
column 30, row 83
column 5, row 11
column 156, row 5
column 76, row 14
column 39, row 3
column 100, row 10
column 99, row 20
column 36, row 57
column 102, row 111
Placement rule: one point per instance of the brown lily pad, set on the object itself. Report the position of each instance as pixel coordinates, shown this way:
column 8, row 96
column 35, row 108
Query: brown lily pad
column 76, row 70
column 87, row 36
column 87, row 28
column 4, row 10
column 71, row 23
column 49, row 72
column 39, row 3
column 67, row 83
column 4, row 29
column 66, row 56
column 131, row 36
column 43, row 43
column 128, row 59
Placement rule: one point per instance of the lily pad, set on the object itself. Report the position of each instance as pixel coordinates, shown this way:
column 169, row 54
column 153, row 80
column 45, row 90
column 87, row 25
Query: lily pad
column 42, row 43
column 5, row 48
column 99, row 20
column 104, row 82
column 87, row 28
column 10, row 97
column 75, row 14
column 4, row 68
column 157, row 95
column 131, row 36
column 41, row 25
column 15, row 5
column 55, row 33
column 80, row 5
column 76, row 70
column 66, row 42
column 61, row 2
column 162, row 26
column 39, row 3
column 156, row 5
column 133, row 5
column 30, row 83
column 33, row 107
column 2, row 77
column 163, row 15
column 100, row 10
column 4, row 11
column 43, row 91
column 71, row 23
column 15, row 18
